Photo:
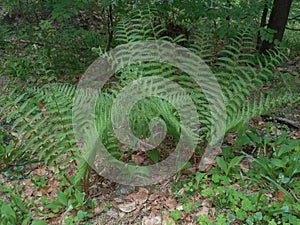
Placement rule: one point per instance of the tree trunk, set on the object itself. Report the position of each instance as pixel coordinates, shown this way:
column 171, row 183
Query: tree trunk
column 278, row 19
column 263, row 23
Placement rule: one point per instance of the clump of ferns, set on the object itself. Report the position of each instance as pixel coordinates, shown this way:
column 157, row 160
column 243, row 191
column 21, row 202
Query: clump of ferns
column 42, row 117
column 41, row 121
column 248, row 81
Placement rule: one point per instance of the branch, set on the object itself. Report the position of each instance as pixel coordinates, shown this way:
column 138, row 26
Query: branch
column 294, row 18
column 294, row 29
column 287, row 122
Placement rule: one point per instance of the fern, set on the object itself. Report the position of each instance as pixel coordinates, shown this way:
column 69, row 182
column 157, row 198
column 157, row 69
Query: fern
column 36, row 122
column 41, row 120
column 248, row 81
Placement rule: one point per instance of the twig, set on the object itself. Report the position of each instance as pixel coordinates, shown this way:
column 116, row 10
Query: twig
column 109, row 27
column 295, row 17
column 294, row 29
column 287, row 122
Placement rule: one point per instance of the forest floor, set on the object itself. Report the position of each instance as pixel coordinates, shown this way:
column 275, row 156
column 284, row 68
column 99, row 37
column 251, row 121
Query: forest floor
column 120, row 204
column 189, row 197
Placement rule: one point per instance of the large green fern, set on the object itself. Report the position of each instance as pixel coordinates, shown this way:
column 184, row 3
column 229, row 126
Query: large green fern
column 36, row 122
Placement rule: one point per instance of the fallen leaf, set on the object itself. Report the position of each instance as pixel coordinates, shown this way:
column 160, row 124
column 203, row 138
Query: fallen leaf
column 28, row 187
column 98, row 210
column 40, row 172
column 127, row 207
column 138, row 159
column 206, row 207
column 279, row 195
column 140, row 197
column 171, row 203
column 151, row 220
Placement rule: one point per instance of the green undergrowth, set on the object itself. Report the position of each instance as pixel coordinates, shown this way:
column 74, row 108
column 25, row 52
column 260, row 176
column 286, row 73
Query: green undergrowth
column 36, row 115
column 266, row 193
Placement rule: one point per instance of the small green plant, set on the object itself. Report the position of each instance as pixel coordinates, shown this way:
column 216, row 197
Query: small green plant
column 68, row 200
column 39, row 182
column 175, row 215
column 204, row 220
column 8, row 215
column 194, row 184
column 107, row 207
column 15, row 210
column 227, row 167
column 279, row 163
column 188, row 207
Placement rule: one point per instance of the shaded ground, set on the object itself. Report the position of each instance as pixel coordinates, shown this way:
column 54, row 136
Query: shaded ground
column 118, row 204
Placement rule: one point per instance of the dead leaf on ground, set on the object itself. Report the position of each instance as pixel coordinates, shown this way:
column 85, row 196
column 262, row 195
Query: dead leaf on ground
column 206, row 207
column 28, row 187
column 279, row 195
column 139, row 197
column 138, row 159
column 151, row 220
column 127, row 207
column 171, row 204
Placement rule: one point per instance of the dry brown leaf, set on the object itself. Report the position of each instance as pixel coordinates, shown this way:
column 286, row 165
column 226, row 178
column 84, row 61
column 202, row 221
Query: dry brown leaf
column 98, row 210
column 279, row 195
column 140, row 197
column 153, row 196
column 151, row 220
column 40, row 172
column 171, row 203
column 127, row 207
column 203, row 211
column 206, row 207
column 207, row 202
column 190, row 171
column 28, row 187
column 245, row 164
column 138, row 159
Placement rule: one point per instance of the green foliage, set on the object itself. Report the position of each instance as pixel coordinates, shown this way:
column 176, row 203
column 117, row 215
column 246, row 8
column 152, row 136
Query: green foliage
column 68, row 200
column 226, row 167
column 8, row 215
column 249, row 208
column 41, row 116
column 175, row 215
column 66, row 9
column 282, row 163
column 193, row 185
column 267, row 34
column 41, row 120
column 14, row 211
column 234, row 71
column 36, row 121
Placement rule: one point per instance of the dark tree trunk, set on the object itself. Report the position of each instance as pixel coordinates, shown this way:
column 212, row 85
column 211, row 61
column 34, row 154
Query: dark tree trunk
column 263, row 23
column 277, row 22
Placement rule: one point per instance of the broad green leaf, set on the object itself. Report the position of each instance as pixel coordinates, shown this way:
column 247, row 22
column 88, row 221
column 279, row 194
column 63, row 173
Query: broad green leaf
column 38, row 222
column 8, row 213
column 18, row 201
column 278, row 163
column 222, row 164
column 236, row 160
column 61, row 197
column 254, row 138
column 153, row 155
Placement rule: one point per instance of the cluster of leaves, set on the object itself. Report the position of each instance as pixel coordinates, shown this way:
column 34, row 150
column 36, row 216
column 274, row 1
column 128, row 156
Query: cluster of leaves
column 243, row 197
column 39, row 49
column 16, row 210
